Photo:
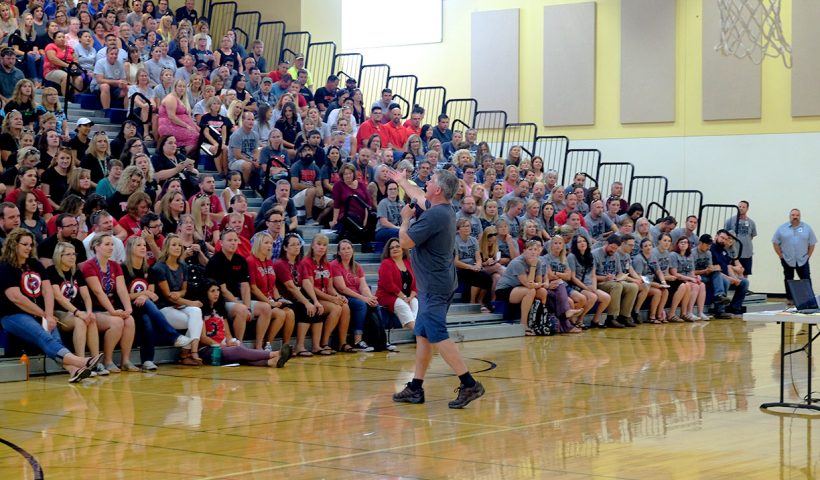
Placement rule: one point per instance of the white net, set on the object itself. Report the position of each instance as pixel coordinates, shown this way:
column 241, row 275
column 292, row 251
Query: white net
column 752, row 29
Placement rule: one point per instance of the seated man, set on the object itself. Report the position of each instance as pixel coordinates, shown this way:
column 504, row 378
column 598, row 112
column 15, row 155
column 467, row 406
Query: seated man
column 721, row 257
column 109, row 78
column 243, row 155
column 612, row 280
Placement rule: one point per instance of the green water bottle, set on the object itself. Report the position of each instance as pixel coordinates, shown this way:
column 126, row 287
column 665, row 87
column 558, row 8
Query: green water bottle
column 216, row 355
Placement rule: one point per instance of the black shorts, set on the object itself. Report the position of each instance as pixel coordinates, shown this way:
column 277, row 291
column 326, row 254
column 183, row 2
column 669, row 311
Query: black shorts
column 503, row 295
column 300, row 312
column 471, row 278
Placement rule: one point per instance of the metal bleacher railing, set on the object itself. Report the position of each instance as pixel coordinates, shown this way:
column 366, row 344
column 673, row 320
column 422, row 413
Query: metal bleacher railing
column 323, row 59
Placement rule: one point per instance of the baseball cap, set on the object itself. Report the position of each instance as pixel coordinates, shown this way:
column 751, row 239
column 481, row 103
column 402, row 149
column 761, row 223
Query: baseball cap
column 299, row 55
column 200, row 65
column 267, row 80
column 84, row 121
column 706, row 238
column 8, row 51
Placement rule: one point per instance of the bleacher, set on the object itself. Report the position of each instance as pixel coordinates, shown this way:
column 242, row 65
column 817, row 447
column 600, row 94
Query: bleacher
column 465, row 321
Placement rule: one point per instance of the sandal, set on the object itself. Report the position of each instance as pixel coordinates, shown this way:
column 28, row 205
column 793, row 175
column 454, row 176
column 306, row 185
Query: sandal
column 655, row 321
column 303, row 353
column 528, row 332
column 324, row 352
column 189, row 361
column 346, row 349
column 326, row 348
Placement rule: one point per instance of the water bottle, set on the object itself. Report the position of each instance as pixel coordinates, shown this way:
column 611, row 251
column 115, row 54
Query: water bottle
column 25, row 361
column 216, row 355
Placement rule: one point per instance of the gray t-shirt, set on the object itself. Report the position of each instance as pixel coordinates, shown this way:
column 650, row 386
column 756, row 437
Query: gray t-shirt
column 434, row 234
column 154, row 70
column 624, row 261
column 645, row 266
column 514, row 223
column 475, row 223
column 702, row 260
column 519, row 266
column 679, row 232
column 389, row 210
column 246, row 142
column 161, row 272
column 581, row 272
column 555, row 263
column 598, row 226
column 664, row 262
column 745, row 231
column 605, row 264
column 466, row 249
column 683, row 265
column 108, row 71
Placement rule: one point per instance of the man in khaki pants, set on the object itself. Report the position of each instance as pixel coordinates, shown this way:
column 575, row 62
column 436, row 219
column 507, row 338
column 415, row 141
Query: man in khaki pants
column 614, row 281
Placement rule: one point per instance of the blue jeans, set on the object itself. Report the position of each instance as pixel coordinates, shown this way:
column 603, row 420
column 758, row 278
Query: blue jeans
column 26, row 327
column 34, row 68
column 358, row 312
column 155, row 329
column 740, row 295
column 385, row 234
column 716, row 282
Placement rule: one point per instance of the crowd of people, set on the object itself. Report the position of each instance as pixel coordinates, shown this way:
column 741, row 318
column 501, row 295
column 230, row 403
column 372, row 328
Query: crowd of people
column 128, row 243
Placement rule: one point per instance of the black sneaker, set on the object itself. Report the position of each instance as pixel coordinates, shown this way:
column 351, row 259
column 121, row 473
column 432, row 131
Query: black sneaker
column 636, row 318
column 467, row 395
column 626, row 321
column 612, row 323
column 722, row 299
column 408, row 395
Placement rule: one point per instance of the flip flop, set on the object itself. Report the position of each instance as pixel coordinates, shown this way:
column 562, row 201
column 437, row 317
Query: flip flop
column 79, row 375
column 326, row 348
column 93, row 361
column 303, row 353
column 323, row 352
column 284, row 355
column 346, row 349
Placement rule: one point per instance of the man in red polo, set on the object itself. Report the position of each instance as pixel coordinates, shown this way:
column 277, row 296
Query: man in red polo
column 394, row 131
column 372, row 125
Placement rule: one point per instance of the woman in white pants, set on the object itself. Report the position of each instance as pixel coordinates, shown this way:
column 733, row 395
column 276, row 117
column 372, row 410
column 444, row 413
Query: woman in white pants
column 397, row 284
column 170, row 275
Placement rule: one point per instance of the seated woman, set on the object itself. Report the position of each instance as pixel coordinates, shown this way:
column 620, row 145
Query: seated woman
column 584, row 280
column 523, row 282
column 263, row 288
column 112, row 305
column 396, row 290
column 55, row 178
column 22, row 100
column 72, row 302
column 388, row 213
column 349, row 280
column 97, row 157
column 468, row 265
column 28, row 179
column 557, row 282
column 314, row 270
column 491, row 255
column 175, row 118
column 27, row 298
column 239, row 205
column 682, row 267
column 678, row 296
column 645, row 264
column 131, row 181
column 205, row 228
column 507, row 244
column 30, row 216
column 170, row 275
column 79, row 183
column 217, row 331
column 288, row 283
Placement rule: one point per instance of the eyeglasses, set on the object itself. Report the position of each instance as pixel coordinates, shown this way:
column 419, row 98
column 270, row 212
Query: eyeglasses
column 274, row 221
column 491, row 235
column 71, row 225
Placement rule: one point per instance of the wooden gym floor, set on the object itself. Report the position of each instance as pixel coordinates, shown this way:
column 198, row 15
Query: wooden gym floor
column 655, row 402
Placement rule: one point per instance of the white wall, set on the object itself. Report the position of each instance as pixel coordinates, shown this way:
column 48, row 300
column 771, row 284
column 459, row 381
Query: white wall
column 775, row 173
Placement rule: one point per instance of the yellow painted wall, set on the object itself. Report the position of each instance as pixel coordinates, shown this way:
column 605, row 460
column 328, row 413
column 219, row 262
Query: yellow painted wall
column 448, row 64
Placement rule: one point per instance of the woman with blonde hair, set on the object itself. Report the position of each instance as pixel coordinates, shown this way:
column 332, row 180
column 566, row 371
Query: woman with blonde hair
column 170, row 275
column 314, row 271
column 489, row 213
column 131, row 180
column 175, row 117
column 413, row 146
column 22, row 100
column 263, row 288
column 166, row 28
column 488, row 245
column 235, row 110
column 55, row 179
column 205, row 228
column 8, row 22
column 79, row 183
column 196, row 87
column 72, row 300
column 51, row 104
column 97, row 156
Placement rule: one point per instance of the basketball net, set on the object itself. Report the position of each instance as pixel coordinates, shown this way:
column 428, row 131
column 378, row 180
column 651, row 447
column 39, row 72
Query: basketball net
column 752, row 29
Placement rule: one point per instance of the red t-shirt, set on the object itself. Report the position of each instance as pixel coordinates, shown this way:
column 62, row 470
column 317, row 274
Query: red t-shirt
column 214, row 328
column 43, row 206
column 352, row 280
column 130, row 224
column 285, row 272
column 247, row 227
column 397, row 135
column 216, row 203
column 410, row 130
column 262, row 275
column 319, row 273
column 90, row 268
column 66, row 55
column 243, row 250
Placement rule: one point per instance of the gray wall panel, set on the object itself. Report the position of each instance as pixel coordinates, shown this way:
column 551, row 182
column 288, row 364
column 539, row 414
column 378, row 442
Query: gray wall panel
column 569, row 64
column 494, row 50
column 805, row 61
column 731, row 86
column 647, row 61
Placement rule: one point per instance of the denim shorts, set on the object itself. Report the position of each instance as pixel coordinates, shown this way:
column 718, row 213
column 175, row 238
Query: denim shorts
column 431, row 322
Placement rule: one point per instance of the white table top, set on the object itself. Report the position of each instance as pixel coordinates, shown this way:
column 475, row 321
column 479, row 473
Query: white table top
column 771, row 316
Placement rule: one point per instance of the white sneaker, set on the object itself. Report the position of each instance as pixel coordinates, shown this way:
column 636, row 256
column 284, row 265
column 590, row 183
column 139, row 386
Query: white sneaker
column 705, row 317
column 100, row 369
column 310, row 222
column 182, row 341
column 391, row 348
column 149, row 366
column 361, row 346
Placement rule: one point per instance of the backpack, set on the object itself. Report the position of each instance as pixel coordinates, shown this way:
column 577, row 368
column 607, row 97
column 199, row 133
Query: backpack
column 542, row 322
